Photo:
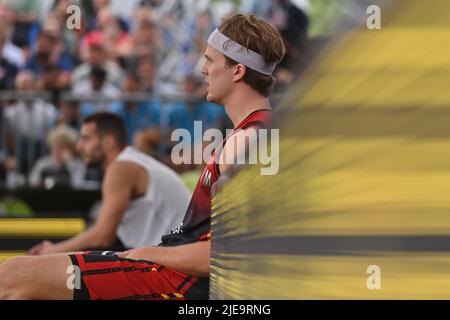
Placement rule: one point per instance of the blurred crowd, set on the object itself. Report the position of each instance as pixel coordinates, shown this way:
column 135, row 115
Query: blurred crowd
column 123, row 53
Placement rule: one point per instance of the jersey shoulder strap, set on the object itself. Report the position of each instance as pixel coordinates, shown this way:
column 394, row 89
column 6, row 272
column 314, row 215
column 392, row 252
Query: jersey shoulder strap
column 261, row 118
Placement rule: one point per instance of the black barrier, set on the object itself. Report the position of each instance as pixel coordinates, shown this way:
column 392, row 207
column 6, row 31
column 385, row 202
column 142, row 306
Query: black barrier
column 56, row 203
column 270, row 309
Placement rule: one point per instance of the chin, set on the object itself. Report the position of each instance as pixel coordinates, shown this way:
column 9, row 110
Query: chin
column 211, row 99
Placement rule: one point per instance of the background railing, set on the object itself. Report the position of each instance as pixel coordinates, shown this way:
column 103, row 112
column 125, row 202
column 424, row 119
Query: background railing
column 24, row 137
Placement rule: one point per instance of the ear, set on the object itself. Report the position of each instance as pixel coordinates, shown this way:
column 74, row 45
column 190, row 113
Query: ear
column 108, row 142
column 239, row 72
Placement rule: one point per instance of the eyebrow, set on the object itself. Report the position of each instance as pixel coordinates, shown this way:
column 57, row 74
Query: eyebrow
column 208, row 57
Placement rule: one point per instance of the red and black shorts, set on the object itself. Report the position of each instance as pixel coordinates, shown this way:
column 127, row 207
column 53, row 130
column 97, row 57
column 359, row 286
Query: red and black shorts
column 105, row 276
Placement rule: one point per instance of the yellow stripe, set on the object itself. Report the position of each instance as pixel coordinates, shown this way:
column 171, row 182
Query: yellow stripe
column 6, row 255
column 178, row 295
column 41, row 227
column 165, row 296
column 403, row 276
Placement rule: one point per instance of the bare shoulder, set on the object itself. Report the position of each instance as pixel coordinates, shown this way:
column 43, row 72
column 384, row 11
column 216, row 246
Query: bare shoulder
column 239, row 141
column 236, row 147
column 123, row 168
column 124, row 172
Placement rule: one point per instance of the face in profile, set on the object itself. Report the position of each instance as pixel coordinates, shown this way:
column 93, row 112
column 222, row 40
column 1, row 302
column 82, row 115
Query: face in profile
column 218, row 76
column 90, row 145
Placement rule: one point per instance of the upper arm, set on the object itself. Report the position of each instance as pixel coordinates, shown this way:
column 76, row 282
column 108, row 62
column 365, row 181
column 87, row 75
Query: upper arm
column 116, row 193
column 237, row 148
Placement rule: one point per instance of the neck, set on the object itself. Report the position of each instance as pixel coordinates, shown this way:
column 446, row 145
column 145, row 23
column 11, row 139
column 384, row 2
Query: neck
column 243, row 102
column 111, row 156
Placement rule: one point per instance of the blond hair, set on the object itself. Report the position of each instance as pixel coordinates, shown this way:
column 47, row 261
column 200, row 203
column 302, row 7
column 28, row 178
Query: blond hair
column 261, row 37
column 63, row 133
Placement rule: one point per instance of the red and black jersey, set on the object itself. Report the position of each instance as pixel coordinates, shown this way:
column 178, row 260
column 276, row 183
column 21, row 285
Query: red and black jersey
column 197, row 221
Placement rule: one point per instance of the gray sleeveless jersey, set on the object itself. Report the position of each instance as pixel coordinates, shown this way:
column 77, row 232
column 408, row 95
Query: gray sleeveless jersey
column 161, row 209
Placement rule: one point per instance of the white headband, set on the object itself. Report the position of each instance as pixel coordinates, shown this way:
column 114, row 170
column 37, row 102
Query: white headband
column 239, row 53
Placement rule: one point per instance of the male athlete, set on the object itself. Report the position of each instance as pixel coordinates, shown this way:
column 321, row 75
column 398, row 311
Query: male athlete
column 240, row 58
column 142, row 199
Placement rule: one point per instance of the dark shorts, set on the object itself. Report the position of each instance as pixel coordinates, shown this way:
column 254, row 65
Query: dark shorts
column 105, row 276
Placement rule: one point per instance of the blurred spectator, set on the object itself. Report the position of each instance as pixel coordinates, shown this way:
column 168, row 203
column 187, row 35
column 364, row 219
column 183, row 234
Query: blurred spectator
column 54, row 81
column 137, row 115
column 203, row 27
column 142, row 17
column 108, row 31
column 125, row 10
column 19, row 18
column 96, row 84
column 70, row 114
column 28, row 122
column 98, row 57
column 10, row 52
column 46, row 7
column 195, row 40
column 145, row 39
column 27, row 16
column 146, row 46
column 96, row 87
column 8, row 71
column 293, row 25
column 7, row 18
column 93, row 7
column 61, row 168
column 146, row 72
column 54, row 24
column 151, row 3
column 50, row 50
column 259, row 8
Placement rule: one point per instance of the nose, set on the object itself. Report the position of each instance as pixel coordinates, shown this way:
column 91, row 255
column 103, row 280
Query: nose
column 204, row 70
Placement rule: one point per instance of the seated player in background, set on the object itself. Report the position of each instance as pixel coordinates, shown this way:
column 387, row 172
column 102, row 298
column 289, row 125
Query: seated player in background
column 142, row 199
